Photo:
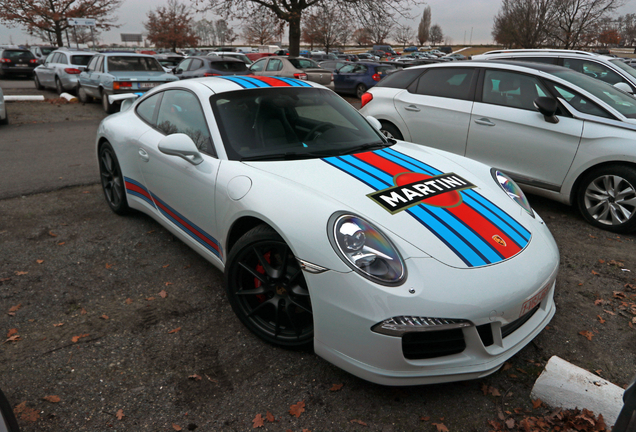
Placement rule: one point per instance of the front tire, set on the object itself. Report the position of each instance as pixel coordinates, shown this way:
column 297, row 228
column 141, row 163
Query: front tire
column 113, row 183
column 36, row 81
column 267, row 290
column 607, row 198
column 360, row 90
column 58, row 86
column 391, row 131
column 109, row 108
column 82, row 95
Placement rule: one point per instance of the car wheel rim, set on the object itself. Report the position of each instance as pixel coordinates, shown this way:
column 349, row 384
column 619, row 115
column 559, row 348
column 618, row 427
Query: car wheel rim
column 387, row 133
column 58, row 86
column 610, row 200
column 271, row 292
column 361, row 91
column 105, row 101
column 111, row 178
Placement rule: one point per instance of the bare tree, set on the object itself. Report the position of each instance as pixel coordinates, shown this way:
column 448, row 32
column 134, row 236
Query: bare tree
column 379, row 24
column 436, row 35
column 204, row 30
column 523, row 23
column 52, row 16
column 362, row 37
column 573, row 19
column 171, row 26
column 403, row 35
column 627, row 28
column 324, row 26
column 424, row 26
column 261, row 28
column 292, row 11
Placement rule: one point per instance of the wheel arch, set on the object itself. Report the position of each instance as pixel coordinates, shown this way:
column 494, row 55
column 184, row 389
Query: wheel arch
column 582, row 175
column 390, row 123
column 240, row 227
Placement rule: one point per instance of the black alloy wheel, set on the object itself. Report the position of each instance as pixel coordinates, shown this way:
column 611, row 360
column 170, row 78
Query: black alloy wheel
column 112, row 180
column 267, row 289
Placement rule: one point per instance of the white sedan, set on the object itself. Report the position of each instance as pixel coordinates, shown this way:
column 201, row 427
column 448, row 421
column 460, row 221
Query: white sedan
column 401, row 264
column 556, row 132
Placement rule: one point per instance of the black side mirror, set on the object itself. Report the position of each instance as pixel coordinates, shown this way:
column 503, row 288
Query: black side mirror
column 178, row 71
column 548, row 107
column 626, row 420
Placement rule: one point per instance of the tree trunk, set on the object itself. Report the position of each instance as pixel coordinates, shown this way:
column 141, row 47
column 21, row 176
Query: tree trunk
column 58, row 35
column 294, row 35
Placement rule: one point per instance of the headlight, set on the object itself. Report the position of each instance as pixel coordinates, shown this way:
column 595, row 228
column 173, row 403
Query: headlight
column 512, row 189
column 366, row 250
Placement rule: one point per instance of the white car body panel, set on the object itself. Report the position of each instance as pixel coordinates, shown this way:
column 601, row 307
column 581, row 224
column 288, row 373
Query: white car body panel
column 297, row 198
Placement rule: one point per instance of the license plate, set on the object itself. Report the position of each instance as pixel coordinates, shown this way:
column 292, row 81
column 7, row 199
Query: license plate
column 22, row 65
column 147, row 85
column 529, row 304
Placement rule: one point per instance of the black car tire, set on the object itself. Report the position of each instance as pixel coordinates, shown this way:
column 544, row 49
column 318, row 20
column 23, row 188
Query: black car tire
column 360, row 90
column 109, row 108
column 5, row 120
column 606, row 197
column 36, row 80
column 58, row 86
column 267, row 290
column 391, row 131
column 113, row 183
column 82, row 95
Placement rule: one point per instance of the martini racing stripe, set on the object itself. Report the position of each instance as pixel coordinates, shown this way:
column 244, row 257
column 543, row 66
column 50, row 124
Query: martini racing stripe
column 437, row 227
column 251, row 81
column 511, row 227
column 473, row 226
column 137, row 189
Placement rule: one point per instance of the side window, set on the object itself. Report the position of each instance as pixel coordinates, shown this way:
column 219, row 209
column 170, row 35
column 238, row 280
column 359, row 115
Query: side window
column 545, row 60
column 92, row 63
column 274, row 65
column 454, row 83
column 360, row 69
column 258, row 66
column 196, row 64
column 347, row 68
column 49, row 59
column 581, row 103
column 511, row 89
column 184, row 64
column 180, row 112
column 594, row 70
column 61, row 59
column 146, row 109
column 100, row 64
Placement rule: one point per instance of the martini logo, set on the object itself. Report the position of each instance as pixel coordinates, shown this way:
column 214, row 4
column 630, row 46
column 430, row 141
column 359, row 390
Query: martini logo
column 414, row 188
column 499, row 240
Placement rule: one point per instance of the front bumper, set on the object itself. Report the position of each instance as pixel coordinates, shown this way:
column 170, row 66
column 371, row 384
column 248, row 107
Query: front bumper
column 346, row 306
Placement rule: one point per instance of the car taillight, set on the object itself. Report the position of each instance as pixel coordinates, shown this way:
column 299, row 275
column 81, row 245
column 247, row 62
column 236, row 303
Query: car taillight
column 5, row 60
column 210, row 74
column 331, row 77
column 33, row 61
column 301, row 76
column 117, row 85
column 72, row 71
column 365, row 99
column 376, row 77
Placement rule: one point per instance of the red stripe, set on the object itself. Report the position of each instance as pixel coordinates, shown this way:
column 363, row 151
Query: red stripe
column 274, row 82
column 135, row 188
column 187, row 225
column 476, row 221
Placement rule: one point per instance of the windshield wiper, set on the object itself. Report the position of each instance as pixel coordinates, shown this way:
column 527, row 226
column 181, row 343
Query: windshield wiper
column 281, row 156
column 370, row 146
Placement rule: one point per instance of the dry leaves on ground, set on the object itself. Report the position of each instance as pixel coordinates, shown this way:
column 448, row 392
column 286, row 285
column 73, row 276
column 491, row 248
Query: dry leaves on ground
column 128, row 301
column 297, row 409
column 195, row 377
column 119, row 414
column 25, row 413
column 441, row 427
column 587, row 334
column 12, row 332
column 163, row 294
column 336, row 387
column 21, row 273
column 76, row 339
column 52, row 398
column 178, row 329
column 176, row 427
column 360, row 422
column 258, row 421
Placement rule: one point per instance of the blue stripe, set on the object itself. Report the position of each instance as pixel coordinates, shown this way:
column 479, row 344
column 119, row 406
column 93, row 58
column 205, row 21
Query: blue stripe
column 187, row 231
column 143, row 197
column 502, row 215
column 294, row 82
column 242, row 83
column 136, row 183
column 256, row 82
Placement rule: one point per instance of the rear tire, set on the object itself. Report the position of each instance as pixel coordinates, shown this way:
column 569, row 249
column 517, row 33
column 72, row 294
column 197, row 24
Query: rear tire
column 58, row 86
column 360, row 90
column 113, row 183
column 391, row 131
column 108, row 107
column 36, row 80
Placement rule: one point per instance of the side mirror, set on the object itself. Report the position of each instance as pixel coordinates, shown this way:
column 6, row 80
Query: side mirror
column 624, row 87
column 336, row 71
column 548, row 107
column 86, row 70
column 180, row 145
column 7, row 418
column 374, row 122
column 178, row 71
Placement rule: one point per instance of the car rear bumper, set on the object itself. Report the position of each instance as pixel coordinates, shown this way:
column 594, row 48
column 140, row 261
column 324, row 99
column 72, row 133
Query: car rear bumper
column 15, row 70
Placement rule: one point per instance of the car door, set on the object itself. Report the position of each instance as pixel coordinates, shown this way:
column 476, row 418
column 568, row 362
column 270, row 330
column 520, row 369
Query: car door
column 595, row 69
column 258, row 67
column 436, row 108
column 182, row 68
column 342, row 80
column 507, row 131
column 195, row 70
column 183, row 192
column 95, row 78
column 85, row 78
column 274, row 67
column 45, row 72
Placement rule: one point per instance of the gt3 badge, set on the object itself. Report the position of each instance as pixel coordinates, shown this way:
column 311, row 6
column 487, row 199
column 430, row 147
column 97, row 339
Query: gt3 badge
column 415, row 188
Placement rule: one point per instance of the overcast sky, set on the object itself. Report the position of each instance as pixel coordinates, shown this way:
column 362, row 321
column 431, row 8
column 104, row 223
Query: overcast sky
column 456, row 18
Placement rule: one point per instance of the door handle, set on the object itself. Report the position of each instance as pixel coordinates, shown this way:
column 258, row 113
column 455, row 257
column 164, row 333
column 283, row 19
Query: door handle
column 484, row 121
column 412, row 108
column 143, row 155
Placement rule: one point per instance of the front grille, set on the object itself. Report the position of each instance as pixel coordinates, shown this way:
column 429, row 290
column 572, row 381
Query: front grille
column 431, row 344
column 485, row 333
column 508, row 329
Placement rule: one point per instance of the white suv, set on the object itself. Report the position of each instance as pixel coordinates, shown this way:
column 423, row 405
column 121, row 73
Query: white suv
column 609, row 69
column 556, row 132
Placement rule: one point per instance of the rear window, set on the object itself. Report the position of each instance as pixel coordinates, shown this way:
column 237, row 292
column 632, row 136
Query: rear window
column 303, row 63
column 229, row 66
column 47, row 51
column 133, row 64
column 400, row 79
column 384, row 69
column 18, row 54
column 81, row 60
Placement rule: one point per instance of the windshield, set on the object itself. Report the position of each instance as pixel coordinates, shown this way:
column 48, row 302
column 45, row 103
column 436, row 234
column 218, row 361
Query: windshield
column 245, row 59
column 300, row 63
column 133, row 64
column 620, row 101
column 625, row 67
column 228, row 66
column 81, row 60
column 169, row 63
column 289, row 123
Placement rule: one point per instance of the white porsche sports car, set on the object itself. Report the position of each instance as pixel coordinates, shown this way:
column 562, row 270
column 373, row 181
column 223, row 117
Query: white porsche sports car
column 400, row 264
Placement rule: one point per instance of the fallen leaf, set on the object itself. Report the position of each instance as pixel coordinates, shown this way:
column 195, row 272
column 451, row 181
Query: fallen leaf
column 75, row 339
column 187, row 267
column 21, row 273
column 619, row 295
column 195, row 377
column 336, row 387
column 600, row 319
column 86, row 192
column 270, row 417
column 15, row 308
column 104, row 317
column 512, row 376
column 258, row 421
column 510, row 423
column 150, row 299
column 592, row 236
column 12, row 332
column 601, row 261
column 166, row 266
column 598, row 302
column 176, row 427
column 5, row 279
column 587, row 334
column 360, row 422
column 595, row 273
column 297, row 409
column 163, row 294
column 52, row 234
column 493, row 391
column 16, row 338
column 484, row 389
column 440, row 427
column 128, row 301
column 26, row 413
column 83, row 312
column 119, row 414
column 39, row 261
column 168, row 283
column 536, row 403
column 506, row 366
column 150, row 232
column 178, row 329
column 61, row 243
column 58, row 325
column 609, row 312
column 425, row 418
column 109, row 265
column 52, row 398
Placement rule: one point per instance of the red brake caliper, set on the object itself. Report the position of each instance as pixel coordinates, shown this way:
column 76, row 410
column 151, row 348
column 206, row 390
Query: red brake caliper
column 257, row 283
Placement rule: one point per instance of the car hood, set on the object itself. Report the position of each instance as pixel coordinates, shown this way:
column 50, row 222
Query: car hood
column 426, row 197
column 142, row 76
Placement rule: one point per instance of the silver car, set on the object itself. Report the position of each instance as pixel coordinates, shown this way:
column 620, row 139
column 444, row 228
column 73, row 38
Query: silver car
column 291, row 67
column 61, row 69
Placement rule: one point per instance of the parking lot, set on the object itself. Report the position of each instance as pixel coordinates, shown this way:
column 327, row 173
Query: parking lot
column 131, row 330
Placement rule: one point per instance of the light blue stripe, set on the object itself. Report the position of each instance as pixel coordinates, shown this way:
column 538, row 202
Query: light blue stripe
column 143, row 197
column 256, row 82
column 414, row 161
column 502, row 215
column 191, row 234
column 294, row 82
column 241, row 82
